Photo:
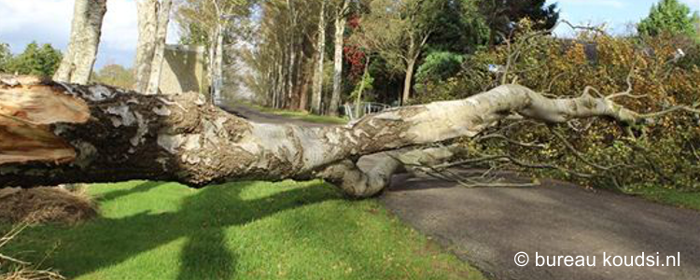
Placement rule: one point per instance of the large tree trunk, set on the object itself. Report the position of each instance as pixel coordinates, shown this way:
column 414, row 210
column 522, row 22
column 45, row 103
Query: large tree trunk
column 159, row 49
column 79, row 59
column 320, row 55
column 338, row 59
column 65, row 133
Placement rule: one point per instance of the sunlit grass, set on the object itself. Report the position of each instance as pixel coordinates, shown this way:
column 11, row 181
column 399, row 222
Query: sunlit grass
column 253, row 230
column 674, row 197
column 297, row 115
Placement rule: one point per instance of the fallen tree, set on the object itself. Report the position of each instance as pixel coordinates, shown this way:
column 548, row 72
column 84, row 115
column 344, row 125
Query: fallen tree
column 54, row 133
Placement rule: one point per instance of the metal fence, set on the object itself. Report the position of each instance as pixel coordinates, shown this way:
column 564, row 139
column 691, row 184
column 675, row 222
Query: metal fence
column 365, row 109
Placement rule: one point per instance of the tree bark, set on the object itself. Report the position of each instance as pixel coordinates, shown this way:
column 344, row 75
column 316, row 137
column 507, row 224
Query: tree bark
column 358, row 101
column 145, row 49
column 306, row 76
column 320, row 55
column 65, row 133
column 86, row 28
column 408, row 81
column 218, row 77
column 159, row 49
column 338, row 58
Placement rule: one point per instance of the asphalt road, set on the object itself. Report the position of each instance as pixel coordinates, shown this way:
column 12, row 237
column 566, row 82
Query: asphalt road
column 489, row 226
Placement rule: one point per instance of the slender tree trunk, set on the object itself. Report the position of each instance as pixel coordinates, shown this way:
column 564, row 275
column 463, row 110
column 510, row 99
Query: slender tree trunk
column 320, row 55
column 358, row 102
column 340, row 21
column 408, row 81
column 145, row 48
column 218, row 80
column 307, row 78
column 72, row 133
column 291, row 68
column 86, row 28
column 212, row 57
column 159, row 48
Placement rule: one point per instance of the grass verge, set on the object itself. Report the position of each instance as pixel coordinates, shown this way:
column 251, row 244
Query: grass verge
column 673, row 197
column 248, row 230
column 298, row 115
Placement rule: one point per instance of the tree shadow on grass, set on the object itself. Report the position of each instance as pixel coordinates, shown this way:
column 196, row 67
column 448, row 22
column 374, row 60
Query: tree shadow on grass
column 202, row 220
column 141, row 188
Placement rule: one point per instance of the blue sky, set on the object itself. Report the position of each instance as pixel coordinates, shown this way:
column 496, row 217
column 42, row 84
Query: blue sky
column 618, row 14
column 48, row 21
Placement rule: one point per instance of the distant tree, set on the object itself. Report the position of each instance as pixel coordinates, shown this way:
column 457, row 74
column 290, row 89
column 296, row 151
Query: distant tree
column 439, row 65
column 213, row 23
column 5, row 56
column 115, row 75
column 501, row 15
column 398, row 31
column 460, row 28
column 672, row 17
column 35, row 60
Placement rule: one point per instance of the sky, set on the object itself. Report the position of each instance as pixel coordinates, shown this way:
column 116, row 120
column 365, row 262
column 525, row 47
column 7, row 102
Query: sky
column 617, row 14
column 48, row 21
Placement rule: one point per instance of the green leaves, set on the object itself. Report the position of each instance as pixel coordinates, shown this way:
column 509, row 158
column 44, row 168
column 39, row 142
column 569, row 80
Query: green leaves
column 35, row 60
column 669, row 17
column 438, row 66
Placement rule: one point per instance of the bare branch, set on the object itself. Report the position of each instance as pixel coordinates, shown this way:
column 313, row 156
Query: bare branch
column 509, row 140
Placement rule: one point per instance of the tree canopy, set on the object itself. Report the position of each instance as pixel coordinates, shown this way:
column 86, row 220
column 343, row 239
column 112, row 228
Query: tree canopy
column 35, row 60
column 501, row 15
column 672, row 17
column 115, row 75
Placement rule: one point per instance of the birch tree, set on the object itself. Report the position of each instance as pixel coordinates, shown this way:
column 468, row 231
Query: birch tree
column 317, row 94
column 341, row 13
column 153, row 18
column 86, row 28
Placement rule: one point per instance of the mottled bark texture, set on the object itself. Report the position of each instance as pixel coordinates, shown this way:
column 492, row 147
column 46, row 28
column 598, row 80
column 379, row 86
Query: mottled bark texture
column 153, row 18
column 147, row 15
column 159, row 50
column 317, row 94
column 63, row 133
column 340, row 21
column 86, row 28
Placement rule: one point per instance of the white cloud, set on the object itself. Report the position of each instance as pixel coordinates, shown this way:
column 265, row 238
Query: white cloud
column 597, row 3
column 49, row 21
column 41, row 20
column 120, row 26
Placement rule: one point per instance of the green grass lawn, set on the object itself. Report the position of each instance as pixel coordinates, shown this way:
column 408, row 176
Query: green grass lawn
column 249, row 230
column 673, row 197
